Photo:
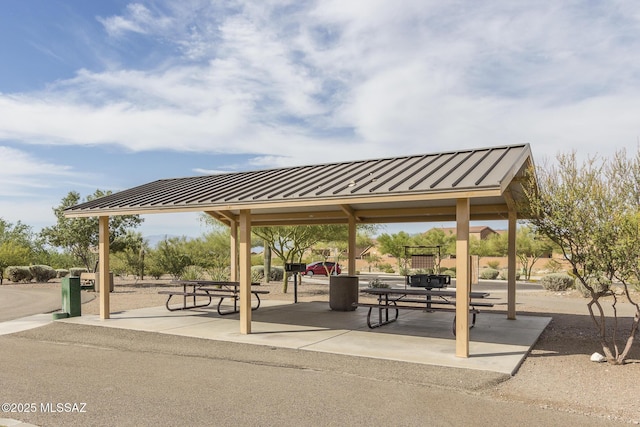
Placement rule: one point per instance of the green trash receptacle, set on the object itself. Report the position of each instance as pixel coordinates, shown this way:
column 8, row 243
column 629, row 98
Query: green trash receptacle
column 71, row 300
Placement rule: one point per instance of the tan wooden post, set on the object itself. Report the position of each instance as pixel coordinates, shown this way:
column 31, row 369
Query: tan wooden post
column 462, row 278
column 103, row 266
column 352, row 245
column 233, row 244
column 245, row 271
column 511, row 272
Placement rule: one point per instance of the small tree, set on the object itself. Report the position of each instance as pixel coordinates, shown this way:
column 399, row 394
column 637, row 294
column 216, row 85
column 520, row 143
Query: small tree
column 394, row 245
column 289, row 243
column 530, row 247
column 170, row 257
column 591, row 211
column 79, row 236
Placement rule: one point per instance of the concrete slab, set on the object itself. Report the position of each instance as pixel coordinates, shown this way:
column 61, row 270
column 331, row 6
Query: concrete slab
column 25, row 323
column 497, row 344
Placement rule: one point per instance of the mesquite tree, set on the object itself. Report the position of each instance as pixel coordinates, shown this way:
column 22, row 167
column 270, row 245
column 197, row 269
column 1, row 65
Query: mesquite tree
column 591, row 210
column 79, row 236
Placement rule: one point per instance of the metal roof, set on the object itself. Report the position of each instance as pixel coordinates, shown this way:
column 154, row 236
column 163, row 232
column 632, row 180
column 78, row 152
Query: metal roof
column 397, row 189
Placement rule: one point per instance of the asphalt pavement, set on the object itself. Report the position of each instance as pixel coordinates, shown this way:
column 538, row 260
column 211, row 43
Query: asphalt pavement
column 77, row 375
column 63, row 374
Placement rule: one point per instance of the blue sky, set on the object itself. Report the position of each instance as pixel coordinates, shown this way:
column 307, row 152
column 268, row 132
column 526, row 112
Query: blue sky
column 111, row 94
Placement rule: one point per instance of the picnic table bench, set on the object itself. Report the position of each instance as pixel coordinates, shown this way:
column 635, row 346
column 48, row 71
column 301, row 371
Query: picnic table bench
column 210, row 289
column 426, row 300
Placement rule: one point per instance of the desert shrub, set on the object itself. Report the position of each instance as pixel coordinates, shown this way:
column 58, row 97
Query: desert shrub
column 553, row 266
column 450, row 272
column 155, row 271
column 75, row 271
column 493, row 264
column 18, row 274
column 557, row 282
column 42, row 273
column 192, row 272
column 600, row 285
column 220, row 274
column 386, row 268
column 61, row 272
column 504, row 274
column 489, row 273
column 277, row 273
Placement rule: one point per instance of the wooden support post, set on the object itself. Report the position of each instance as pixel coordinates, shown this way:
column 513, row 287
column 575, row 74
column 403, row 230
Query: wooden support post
column 103, row 266
column 352, row 245
column 462, row 277
column 233, row 245
column 511, row 272
column 245, row 271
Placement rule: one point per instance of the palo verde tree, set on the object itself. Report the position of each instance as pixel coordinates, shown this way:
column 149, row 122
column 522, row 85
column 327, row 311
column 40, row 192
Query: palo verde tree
column 289, row 243
column 394, row 245
column 530, row 247
column 591, row 210
column 79, row 236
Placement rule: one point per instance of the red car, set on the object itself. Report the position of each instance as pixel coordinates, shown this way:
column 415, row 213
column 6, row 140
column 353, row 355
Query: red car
column 321, row 268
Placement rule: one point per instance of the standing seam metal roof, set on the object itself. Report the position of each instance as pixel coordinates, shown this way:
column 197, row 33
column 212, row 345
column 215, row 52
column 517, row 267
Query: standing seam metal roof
column 467, row 170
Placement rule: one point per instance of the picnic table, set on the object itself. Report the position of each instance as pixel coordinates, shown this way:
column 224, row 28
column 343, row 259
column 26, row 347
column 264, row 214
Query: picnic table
column 209, row 289
column 427, row 300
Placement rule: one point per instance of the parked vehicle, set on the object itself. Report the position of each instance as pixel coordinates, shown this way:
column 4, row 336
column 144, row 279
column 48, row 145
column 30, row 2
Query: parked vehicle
column 321, row 268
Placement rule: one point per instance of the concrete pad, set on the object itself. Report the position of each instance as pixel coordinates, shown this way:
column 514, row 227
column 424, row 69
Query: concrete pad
column 25, row 323
column 497, row 344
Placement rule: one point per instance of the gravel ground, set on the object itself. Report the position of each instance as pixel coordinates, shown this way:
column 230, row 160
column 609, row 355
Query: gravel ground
column 557, row 374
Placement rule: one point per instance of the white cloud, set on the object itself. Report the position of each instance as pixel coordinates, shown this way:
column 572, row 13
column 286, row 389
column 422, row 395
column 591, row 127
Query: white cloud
column 296, row 83
column 22, row 174
column 137, row 19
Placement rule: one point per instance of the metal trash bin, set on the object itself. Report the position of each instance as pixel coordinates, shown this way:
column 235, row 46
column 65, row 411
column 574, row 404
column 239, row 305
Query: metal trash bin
column 71, row 300
column 343, row 292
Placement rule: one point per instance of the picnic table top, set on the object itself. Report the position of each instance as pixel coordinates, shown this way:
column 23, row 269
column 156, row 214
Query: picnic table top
column 420, row 291
column 208, row 283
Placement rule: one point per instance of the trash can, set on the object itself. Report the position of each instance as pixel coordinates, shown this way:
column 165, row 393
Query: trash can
column 343, row 292
column 71, row 301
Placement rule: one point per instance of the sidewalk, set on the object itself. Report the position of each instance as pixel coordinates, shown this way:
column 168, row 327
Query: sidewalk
column 497, row 344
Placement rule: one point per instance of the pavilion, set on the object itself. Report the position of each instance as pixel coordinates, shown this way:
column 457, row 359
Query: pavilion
column 461, row 186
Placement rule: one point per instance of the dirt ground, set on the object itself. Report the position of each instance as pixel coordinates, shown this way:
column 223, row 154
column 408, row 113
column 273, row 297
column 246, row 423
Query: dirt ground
column 557, row 374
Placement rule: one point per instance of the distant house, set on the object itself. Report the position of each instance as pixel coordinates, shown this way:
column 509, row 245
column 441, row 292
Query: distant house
column 481, row 232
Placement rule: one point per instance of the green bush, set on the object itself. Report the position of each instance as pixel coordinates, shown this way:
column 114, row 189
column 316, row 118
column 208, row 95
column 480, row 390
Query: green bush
column 277, row 273
column 192, row 272
column 600, row 285
column 557, row 282
column 451, row 273
column 42, row 273
column 504, row 274
column 61, row 272
column 489, row 273
column 493, row 264
column 155, row 271
column 18, row 274
column 386, row 268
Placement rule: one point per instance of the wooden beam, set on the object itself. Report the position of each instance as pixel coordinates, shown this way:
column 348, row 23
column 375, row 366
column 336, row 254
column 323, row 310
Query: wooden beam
column 349, row 211
column 233, row 249
column 103, row 266
column 245, row 272
column 352, row 246
column 462, row 278
column 511, row 266
column 291, row 203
